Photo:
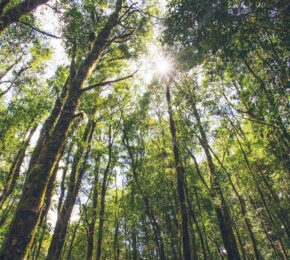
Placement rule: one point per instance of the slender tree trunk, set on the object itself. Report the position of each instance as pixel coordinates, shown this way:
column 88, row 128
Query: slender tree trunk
column 117, row 223
column 243, row 207
column 5, row 213
column 49, row 191
column 14, row 171
column 91, row 230
column 103, row 195
column 134, row 231
column 203, row 226
column 193, row 240
column 71, row 244
column 37, row 253
column 63, row 179
column 270, row 216
column 240, row 242
column 180, row 181
column 238, row 131
column 192, row 214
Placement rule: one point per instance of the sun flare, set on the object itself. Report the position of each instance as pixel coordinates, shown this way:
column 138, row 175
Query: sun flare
column 163, row 65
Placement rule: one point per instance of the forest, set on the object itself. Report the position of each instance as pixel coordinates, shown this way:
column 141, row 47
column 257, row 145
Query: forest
column 150, row 129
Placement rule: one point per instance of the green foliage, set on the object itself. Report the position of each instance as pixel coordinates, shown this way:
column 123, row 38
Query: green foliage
column 232, row 60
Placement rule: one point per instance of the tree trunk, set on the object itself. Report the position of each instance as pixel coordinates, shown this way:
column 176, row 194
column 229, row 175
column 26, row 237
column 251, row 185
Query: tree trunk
column 192, row 214
column 91, row 231
column 243, row 207
column 221, row 208
column 180, row 181
column 117, row 223
column 64, row 174
column 14, row 171
column 103, row 195
column 134, row 231
column 78, row 170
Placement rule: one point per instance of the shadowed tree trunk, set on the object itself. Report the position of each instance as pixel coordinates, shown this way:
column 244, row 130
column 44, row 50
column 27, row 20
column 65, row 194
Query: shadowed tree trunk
column 192, row 214
column 243, row 209
column 26, row 218
column 134, row 231
column 63, row 179
column 117, row 223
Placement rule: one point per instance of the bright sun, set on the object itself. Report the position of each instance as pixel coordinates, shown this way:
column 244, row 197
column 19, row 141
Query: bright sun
column 156, row 64
column 163, row 65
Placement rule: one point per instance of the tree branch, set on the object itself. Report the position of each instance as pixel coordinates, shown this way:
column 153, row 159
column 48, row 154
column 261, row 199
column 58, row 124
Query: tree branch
column 40, row 31
column 101, row 84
